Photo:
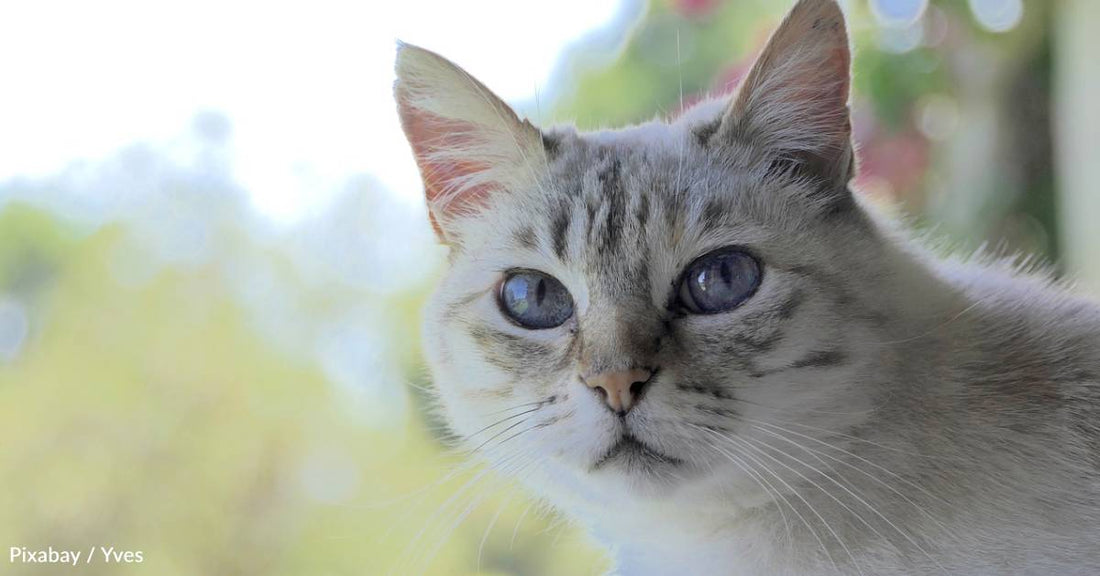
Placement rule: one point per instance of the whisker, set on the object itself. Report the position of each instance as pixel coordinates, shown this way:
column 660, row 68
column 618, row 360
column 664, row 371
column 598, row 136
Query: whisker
column 402, row 558
column 502, row 464
column 524, row 431
column 515, row 530
column 765, row 485
column 419, row 492
column 852, row 438
column 467, row 463
column 752, row 445
column 767, row 469
column 870, row 410
column 475, row 502
column 509, row 464
column 514, row 468
column 854, row 455
column 488, row 530
column 869, row 475
column 501, row 421
column 938, row 327
column 858, row 497
column 814, row 453
column 497, row 435
column 540, row 403
column 462, row 467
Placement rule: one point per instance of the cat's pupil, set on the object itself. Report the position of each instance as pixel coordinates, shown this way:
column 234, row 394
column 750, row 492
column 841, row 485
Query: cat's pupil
column 540, row 292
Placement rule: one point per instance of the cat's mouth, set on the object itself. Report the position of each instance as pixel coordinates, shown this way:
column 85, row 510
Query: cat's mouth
column 630, row 451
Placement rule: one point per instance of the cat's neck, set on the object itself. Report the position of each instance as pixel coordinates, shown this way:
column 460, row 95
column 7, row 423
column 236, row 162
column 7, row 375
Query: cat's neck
column 696, row 530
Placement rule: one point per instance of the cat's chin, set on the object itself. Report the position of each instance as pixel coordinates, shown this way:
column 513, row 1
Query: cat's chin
column 645, row 468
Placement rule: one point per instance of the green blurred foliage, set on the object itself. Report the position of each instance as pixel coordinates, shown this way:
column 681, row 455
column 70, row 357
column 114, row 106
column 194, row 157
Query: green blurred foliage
column 155, row 418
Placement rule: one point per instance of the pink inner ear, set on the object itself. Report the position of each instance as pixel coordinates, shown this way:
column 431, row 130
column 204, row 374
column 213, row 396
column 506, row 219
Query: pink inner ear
column 444, row 176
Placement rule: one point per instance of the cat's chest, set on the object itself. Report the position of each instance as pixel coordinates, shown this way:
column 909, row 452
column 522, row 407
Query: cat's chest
column 697, row 543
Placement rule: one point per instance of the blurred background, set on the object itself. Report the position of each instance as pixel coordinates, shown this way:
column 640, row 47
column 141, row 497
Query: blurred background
column 213, row 247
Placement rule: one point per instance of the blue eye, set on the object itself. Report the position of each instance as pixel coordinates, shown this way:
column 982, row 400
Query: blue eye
column 718, row 282
column 535, row 300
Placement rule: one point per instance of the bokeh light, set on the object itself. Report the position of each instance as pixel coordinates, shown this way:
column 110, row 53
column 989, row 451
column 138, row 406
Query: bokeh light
column 997, row 15
column 898, row 13
column 14, row 326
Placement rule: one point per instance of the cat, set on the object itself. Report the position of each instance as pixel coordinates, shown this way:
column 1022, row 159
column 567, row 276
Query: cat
column 695, row 340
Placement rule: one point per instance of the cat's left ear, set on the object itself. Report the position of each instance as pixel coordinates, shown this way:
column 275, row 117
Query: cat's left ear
column 793, row 104
column 468, row 143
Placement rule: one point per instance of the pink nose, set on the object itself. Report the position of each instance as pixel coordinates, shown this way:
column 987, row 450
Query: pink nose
column 620, row 389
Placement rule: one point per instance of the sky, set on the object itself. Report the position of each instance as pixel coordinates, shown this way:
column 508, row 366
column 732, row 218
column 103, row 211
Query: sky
column 305, row 86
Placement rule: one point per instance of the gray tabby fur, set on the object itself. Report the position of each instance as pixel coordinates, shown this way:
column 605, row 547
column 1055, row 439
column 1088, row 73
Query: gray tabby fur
column 872, row 409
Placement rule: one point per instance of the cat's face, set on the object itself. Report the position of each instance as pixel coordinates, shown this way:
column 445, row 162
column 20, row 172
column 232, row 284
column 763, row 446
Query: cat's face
column 626, row 307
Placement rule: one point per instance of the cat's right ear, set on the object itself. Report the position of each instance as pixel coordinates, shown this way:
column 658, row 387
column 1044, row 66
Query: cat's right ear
column 467, row 142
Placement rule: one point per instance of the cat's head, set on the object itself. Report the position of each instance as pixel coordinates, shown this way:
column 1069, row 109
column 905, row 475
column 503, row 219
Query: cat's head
column 625, row 307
